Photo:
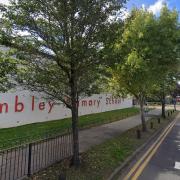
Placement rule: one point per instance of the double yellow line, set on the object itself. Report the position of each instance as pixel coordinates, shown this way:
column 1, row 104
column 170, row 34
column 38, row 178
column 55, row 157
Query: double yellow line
column 137, row 169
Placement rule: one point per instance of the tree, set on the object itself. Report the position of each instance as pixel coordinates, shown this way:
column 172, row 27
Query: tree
column 148, row 51
column 131, row 77
column 165, row 86
column 8, row 67
column 133, row 73
column 59, row 48
column 7, row 71
column 167, row 53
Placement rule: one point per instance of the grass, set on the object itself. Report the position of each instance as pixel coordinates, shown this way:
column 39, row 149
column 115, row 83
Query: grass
column 10, row 137
column 100, row 161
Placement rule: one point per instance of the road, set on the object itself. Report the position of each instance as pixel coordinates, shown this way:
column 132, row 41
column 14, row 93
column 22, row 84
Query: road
column 162, row 159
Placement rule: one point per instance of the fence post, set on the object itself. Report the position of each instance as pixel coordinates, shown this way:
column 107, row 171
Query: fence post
column 151, row 125
column 138, row 133
column 29, row 159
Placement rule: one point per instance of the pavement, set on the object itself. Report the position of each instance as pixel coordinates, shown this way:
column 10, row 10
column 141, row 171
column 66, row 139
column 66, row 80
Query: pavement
column 97, row 135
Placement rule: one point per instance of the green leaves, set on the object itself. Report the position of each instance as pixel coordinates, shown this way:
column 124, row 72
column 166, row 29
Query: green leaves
column 59, row 43
column 132, row 73
column 7, row 72
column 149, row 51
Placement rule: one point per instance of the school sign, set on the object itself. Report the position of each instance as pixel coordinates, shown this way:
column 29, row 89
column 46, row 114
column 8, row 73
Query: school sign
column 23, row 107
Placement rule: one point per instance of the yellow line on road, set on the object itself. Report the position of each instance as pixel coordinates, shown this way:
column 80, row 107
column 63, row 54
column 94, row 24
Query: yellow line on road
column 149, row 153
column 144, row 164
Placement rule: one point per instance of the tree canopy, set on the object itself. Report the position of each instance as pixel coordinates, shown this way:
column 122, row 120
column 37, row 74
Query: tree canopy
column 58, row 42
column 148, row 50
column 7, row 71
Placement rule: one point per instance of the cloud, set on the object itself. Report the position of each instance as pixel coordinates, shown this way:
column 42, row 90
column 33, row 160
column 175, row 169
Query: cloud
column 121, row 14
column 124, row 13
column 143, row 6
column 4, row 1
column 157, row 6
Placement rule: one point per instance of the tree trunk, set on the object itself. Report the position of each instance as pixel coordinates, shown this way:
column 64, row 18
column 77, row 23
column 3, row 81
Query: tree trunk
column 174, row 103
column 163, row 104
column 144, row 128
column 75, row 130
column 175, row 107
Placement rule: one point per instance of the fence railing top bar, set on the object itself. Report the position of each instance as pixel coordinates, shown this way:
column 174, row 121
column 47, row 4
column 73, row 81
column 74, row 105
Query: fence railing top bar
column 28, row 140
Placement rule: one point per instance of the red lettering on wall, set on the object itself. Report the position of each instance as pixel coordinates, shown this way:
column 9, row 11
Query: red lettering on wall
column 112, row 100
column 90, row 102
column 107, row 101
column 41, row 106
column 19, row 106
column 32, row 103
column 84, row 103
column 51, row 104
column 115, row 101
column 4, row 105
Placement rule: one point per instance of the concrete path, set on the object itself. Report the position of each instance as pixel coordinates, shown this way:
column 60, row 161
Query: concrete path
column 97, row 135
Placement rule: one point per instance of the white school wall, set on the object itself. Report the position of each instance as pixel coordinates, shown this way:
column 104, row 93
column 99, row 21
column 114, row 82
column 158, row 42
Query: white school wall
column 94, row 104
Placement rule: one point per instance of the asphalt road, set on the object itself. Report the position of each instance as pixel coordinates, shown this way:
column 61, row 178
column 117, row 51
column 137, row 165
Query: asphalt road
column 165, row 164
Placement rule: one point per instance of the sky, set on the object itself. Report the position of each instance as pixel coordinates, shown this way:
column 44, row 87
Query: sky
column 152, row 5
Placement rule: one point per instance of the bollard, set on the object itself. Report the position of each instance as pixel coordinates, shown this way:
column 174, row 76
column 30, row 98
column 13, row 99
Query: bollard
column 151, row 125
column 159, row 120
column 138, row 134
column 168, row 113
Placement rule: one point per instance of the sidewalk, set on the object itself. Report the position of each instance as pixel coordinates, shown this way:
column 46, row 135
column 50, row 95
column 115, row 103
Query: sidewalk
column 97, row 135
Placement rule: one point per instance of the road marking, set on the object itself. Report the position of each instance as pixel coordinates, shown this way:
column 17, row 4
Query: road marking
column 148, row 155
column 148, row 158
column 177, row 165
column 177, row 141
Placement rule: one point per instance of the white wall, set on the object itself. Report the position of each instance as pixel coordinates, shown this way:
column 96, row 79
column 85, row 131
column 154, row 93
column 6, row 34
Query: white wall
column 24, row 108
